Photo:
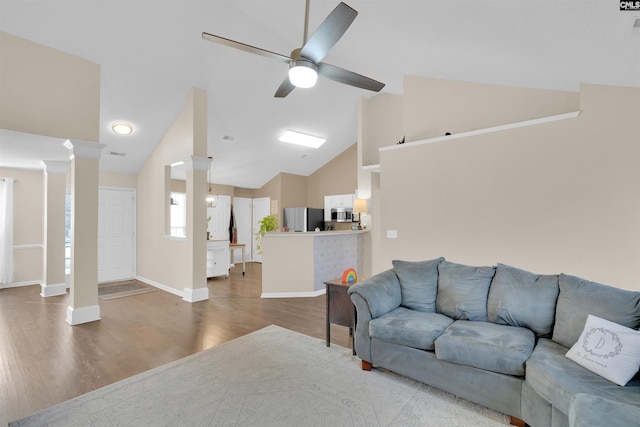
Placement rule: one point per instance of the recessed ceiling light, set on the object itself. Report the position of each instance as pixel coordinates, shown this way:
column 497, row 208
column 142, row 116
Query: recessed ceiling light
column 122, row 128
column 293, row 137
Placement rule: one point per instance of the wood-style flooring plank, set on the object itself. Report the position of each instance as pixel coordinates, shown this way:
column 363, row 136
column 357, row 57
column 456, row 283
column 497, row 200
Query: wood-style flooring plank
column 44, row 361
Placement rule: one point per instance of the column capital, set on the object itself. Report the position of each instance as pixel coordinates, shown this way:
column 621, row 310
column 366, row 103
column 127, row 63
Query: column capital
column 84, row 149
column 55, row 166
column 197, row 163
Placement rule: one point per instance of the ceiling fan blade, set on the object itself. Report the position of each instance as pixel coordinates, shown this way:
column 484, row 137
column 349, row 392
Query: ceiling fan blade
column 328, row 33
column 347, row 77
column 246, row 47
column 285, row 88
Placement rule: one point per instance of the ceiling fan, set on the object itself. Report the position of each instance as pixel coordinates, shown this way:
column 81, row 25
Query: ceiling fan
column 304, row 63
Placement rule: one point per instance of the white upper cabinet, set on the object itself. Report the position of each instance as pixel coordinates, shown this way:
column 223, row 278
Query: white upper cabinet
column 327, row 208
column 337, row 201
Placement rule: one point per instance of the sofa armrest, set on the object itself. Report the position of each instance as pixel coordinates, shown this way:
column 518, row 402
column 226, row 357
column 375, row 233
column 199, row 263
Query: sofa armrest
column 362, row 339
column 372, row 298
column 594, row 411
column 381, row 292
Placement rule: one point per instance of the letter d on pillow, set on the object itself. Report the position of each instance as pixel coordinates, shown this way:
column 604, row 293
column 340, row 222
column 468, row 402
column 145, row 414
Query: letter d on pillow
column 607, row 349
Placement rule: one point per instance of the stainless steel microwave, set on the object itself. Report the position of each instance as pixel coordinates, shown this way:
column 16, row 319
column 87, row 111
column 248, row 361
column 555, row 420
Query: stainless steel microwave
column 341, row 214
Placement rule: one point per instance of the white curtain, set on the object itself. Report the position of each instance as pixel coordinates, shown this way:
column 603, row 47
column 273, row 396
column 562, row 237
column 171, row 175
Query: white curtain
column 6, row 230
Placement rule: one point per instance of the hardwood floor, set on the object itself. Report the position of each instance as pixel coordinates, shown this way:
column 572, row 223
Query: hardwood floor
column 44, row 361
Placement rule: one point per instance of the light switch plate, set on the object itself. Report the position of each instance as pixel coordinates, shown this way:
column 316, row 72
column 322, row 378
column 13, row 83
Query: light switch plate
column 392, row 234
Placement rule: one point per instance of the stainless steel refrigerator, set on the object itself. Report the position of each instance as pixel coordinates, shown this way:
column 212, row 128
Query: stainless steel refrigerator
column 303, row 219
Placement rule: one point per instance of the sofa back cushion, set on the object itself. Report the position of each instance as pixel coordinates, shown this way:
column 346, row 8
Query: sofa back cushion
column 521, row 298
column 418, row 283
column 579, row 297
column 463, row 290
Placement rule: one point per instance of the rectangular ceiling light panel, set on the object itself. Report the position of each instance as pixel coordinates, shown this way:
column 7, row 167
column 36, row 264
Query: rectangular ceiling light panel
column 293, row 137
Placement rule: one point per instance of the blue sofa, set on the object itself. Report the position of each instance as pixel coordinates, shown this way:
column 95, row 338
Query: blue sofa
column 498, row 336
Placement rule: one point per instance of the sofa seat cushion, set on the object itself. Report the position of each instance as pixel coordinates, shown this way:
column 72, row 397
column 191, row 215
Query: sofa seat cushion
column 587, row 410
column 488, row 346
column 557, row 379
column 409, row 328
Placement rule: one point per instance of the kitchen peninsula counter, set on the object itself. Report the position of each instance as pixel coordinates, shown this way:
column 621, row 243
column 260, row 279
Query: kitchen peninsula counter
column 296, row 264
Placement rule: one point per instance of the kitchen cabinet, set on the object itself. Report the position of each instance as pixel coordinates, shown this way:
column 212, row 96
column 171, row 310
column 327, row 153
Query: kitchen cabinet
column 327, row 208
column 337, row 201
column 218, row 258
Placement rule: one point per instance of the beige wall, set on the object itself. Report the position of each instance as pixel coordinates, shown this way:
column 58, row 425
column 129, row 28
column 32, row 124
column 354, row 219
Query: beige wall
column 243, row 192
column 47, row 92
column 178, row 186
column 339, row 176
column 433, row 107
column 273, row 190
column 381, row 125
column 551, row 198
column 161, row 260
column 224, row 190
column 28, row 223
column 117, row 180
column 293, row 192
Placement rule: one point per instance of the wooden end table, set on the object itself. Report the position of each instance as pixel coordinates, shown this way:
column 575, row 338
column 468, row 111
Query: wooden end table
column 340, row 309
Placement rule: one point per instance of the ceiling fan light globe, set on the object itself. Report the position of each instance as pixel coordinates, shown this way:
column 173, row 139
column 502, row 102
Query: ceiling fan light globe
column 303, row 74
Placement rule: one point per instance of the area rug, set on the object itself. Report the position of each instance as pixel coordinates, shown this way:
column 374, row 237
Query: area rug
column 272, row 377
column 107, row 291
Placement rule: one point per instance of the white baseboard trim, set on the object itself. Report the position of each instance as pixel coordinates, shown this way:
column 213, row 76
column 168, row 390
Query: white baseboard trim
column 293, row 294
column 19, row 284
column 77, row 316
column 160, row 286
column 195, row 295
column 53, row 289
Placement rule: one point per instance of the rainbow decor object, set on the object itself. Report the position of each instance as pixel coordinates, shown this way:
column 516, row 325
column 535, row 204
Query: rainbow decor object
column 349, row 276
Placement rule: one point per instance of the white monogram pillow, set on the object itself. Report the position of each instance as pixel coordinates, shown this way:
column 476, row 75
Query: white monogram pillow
column 607, row 349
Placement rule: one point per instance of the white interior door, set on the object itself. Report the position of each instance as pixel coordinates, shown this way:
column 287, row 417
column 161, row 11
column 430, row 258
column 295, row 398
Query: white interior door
column 116, row 234
column 242, row 214
column 261, row 208
column 220, row 217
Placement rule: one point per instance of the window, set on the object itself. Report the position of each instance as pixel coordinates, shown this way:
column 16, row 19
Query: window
column 178, row 214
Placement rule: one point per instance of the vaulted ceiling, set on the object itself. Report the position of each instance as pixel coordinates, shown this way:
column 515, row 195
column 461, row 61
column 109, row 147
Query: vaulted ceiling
column 151, row 53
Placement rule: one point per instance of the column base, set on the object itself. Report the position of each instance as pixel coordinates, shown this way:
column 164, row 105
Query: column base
column 195, row 295
column 53, row 289
column 77, row 316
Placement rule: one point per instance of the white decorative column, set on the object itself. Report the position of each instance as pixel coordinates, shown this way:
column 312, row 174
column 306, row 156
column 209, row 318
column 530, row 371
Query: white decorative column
column 196, row 281
column 54, row 227
column 83, row 305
